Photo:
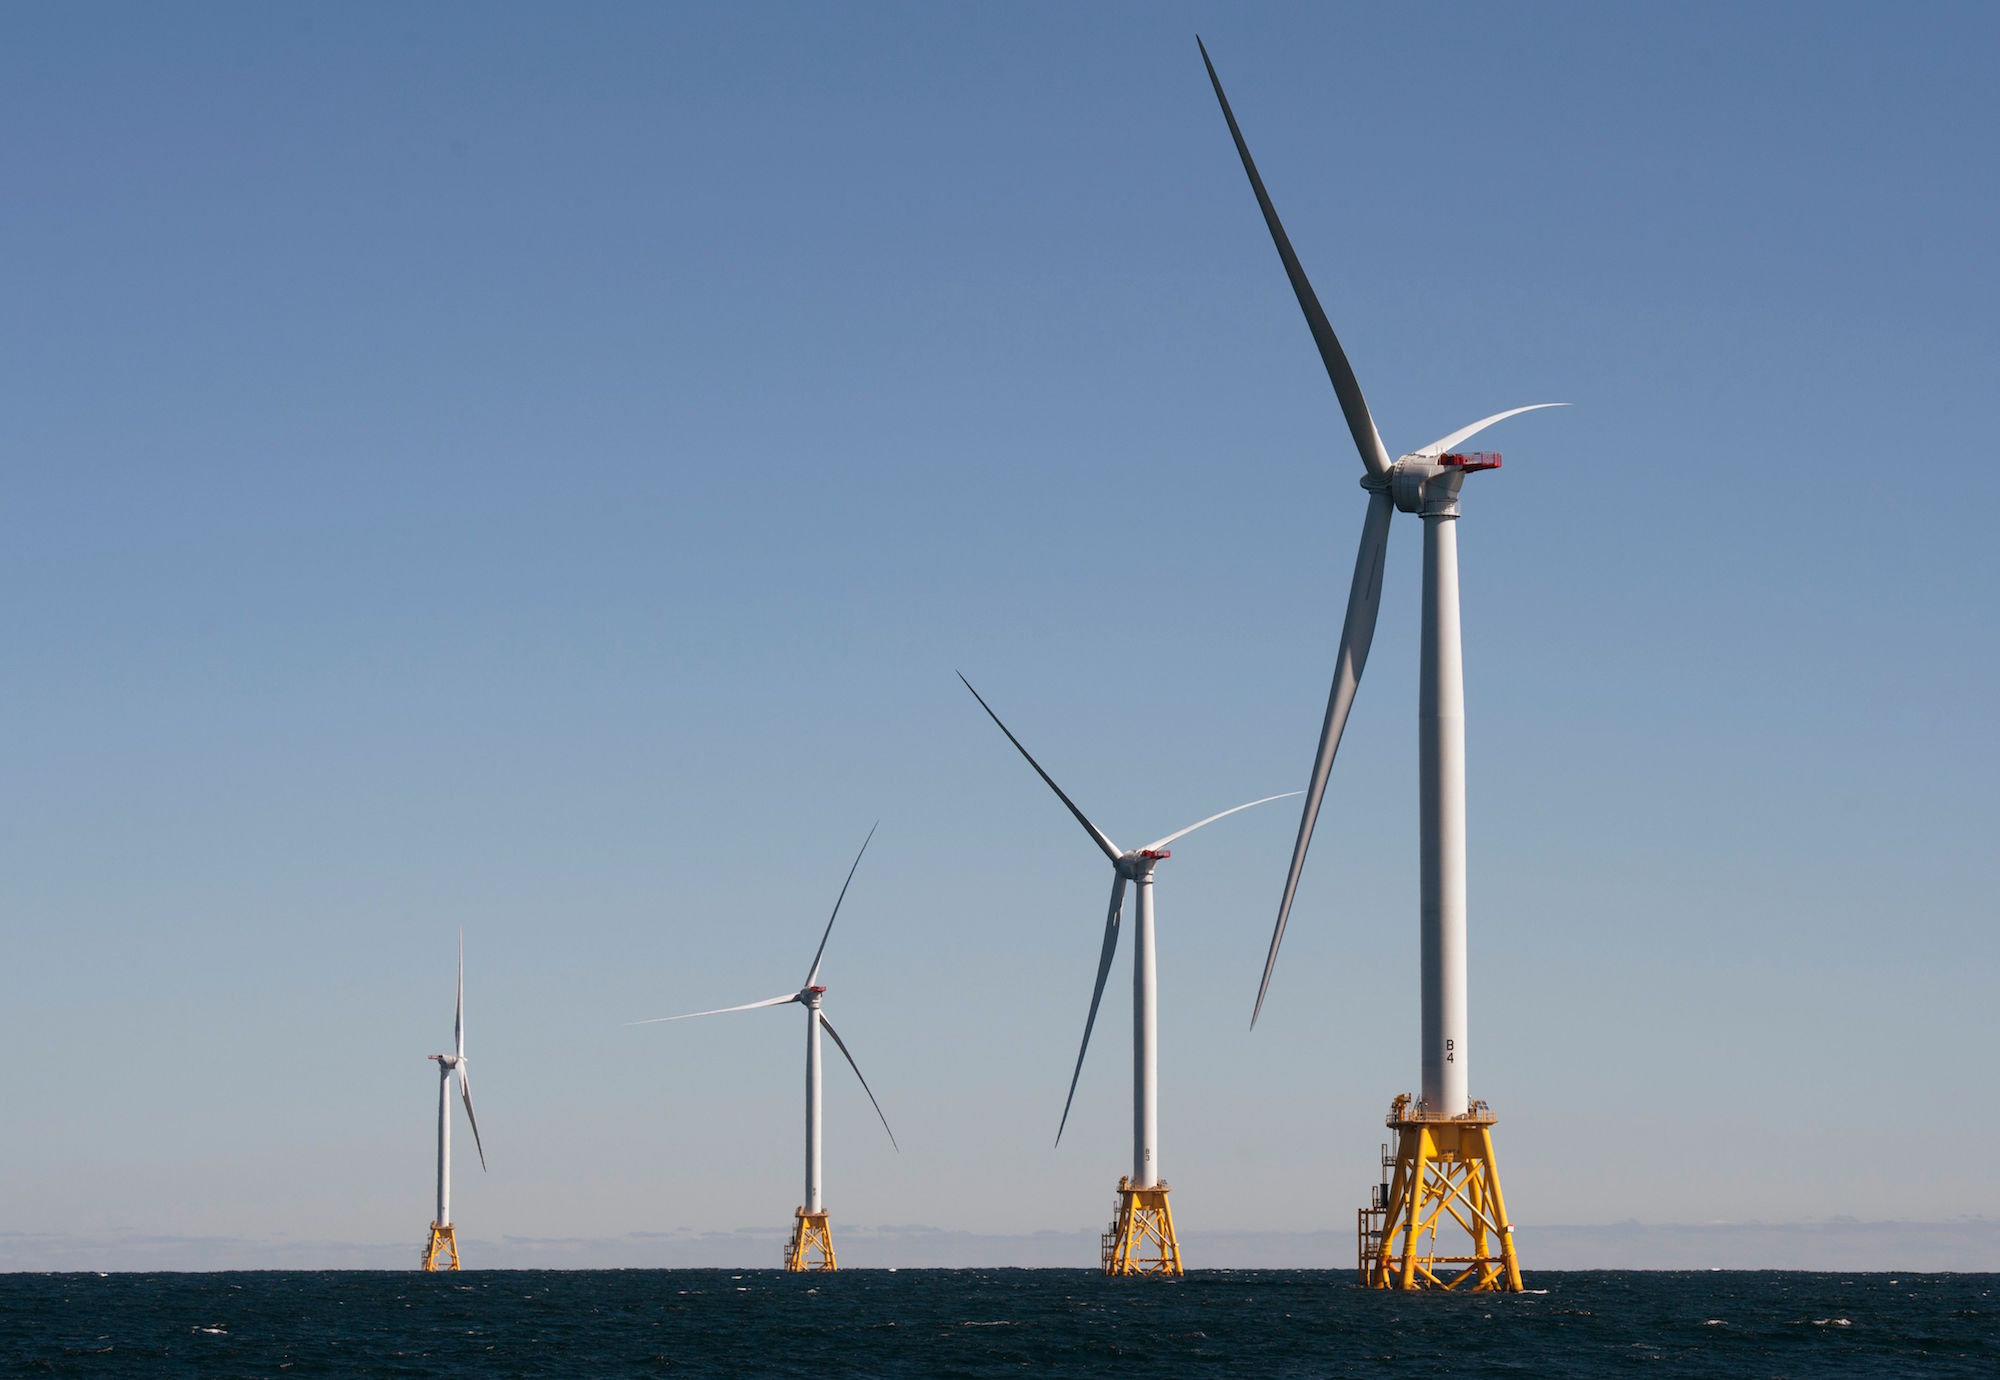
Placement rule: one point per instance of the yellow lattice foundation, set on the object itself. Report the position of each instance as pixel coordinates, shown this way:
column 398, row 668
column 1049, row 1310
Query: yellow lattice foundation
column 1444, row 1177
column 441, row 1251
column 811, row 1246
column 1141, row 1239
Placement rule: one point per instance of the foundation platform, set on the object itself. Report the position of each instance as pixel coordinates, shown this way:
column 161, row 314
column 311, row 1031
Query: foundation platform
column 1442, row 1177
column 811, row 1246
column 441, row 1251
column 1141, row 1238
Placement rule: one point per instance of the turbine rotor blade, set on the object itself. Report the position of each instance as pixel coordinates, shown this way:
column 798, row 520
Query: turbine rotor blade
column 1104, row 958
column 814, row 974
column 458, row 1014
column 1445, row 443
column 465, row 1092
column 1183, row 833
column 1353, row 406
column 1097, row 835
column 721, row 1010
column 827, row 1025
column 1364, row 599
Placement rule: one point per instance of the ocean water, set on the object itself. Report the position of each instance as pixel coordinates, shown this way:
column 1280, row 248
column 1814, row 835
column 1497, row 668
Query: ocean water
column 991, row 1322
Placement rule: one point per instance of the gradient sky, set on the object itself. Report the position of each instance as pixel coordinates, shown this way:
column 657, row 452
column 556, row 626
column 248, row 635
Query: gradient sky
column 537, row 471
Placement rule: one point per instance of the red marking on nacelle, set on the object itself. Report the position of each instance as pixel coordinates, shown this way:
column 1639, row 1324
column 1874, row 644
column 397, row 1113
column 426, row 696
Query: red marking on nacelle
column 1155, row 853
column 1474, row 460
column 817, row 991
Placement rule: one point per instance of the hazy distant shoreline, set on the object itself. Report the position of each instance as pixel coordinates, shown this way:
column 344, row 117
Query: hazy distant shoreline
column 1968, row 1245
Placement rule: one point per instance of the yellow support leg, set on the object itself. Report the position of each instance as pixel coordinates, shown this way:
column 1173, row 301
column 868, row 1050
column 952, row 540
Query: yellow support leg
column 1445, row 1181
column 1510, row 1264
column 1420, row 1163
column 1141, row 1239
column 811, row 1246
column 441, row 1251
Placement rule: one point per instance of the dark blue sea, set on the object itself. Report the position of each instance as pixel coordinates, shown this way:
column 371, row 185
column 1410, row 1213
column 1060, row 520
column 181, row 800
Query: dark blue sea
column 991, row 1322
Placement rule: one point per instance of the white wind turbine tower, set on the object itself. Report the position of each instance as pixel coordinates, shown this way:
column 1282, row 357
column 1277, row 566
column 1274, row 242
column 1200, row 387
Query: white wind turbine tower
column 441, row 1251
column 1141, row 1239
column 811, row 1245
column 1444, row 1167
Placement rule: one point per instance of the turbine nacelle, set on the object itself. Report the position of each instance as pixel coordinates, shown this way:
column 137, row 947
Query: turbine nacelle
column 1138, row 862
column 1428, row 484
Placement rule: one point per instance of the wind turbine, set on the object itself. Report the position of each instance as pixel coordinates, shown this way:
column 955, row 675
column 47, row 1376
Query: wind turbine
column 811, row 1246
column 443, row 1243
column 1444, row 1159
column 1141, row 1239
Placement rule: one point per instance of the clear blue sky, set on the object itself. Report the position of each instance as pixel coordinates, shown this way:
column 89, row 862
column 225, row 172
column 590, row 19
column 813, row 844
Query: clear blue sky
column 538, row 470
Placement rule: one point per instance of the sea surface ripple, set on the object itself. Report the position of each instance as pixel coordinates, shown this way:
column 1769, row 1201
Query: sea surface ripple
column 990, row 1322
